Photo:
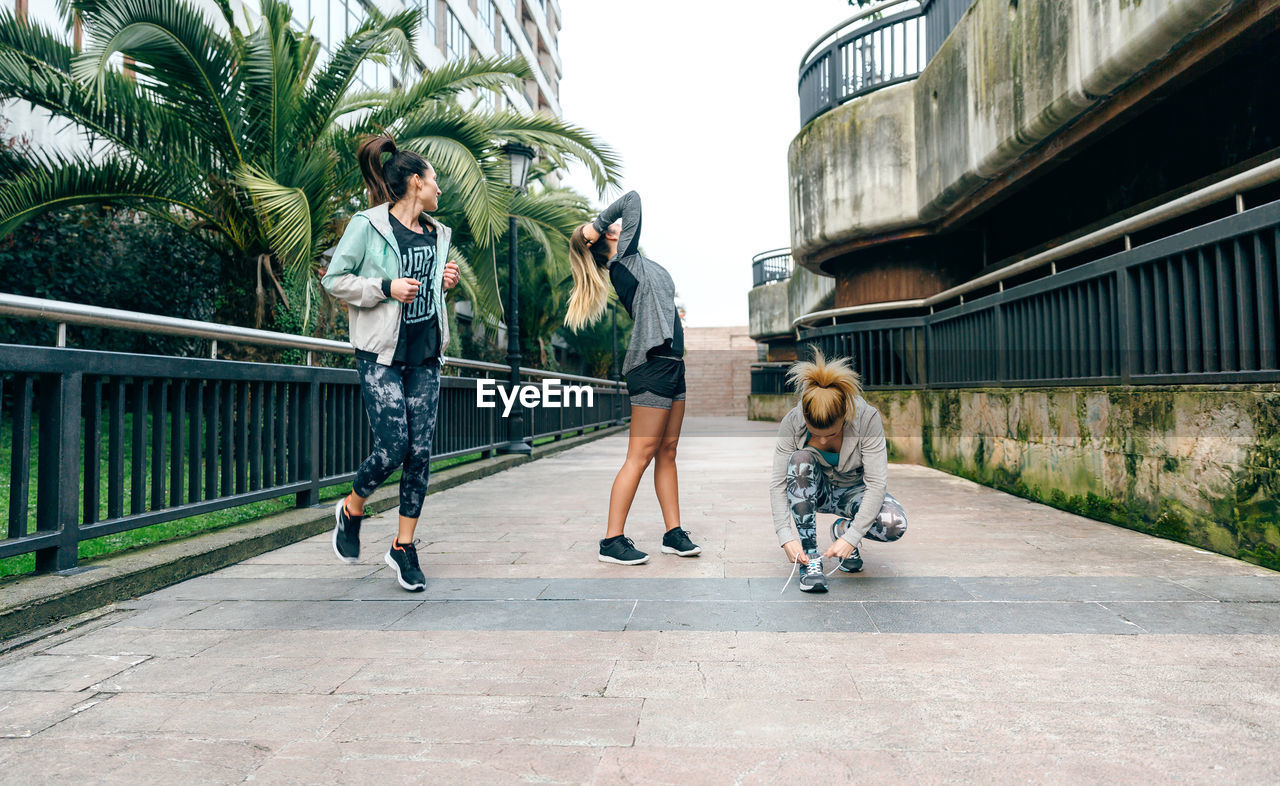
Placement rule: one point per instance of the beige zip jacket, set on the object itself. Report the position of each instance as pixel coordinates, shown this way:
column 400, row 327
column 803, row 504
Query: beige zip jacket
column 864, row 460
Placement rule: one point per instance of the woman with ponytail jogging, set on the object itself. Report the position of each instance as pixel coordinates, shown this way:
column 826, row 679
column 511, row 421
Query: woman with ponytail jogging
column 607, row 251
column 390, row 269
column 831, row 458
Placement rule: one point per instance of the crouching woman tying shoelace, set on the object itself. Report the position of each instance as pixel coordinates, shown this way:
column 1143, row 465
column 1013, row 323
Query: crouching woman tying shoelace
column 831, row 457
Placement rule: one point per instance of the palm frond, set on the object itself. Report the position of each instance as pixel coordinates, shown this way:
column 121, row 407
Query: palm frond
column 560, row 141
column 447, row 81
column 176, row 51
column 285, row 214
column 56, row 181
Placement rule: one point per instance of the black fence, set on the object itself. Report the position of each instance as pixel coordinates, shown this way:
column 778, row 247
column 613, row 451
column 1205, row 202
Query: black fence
column 873, row 55
column 102, row 442
column 769, row 379
column 941, row 17
column 775, row 265
column 1202, row 306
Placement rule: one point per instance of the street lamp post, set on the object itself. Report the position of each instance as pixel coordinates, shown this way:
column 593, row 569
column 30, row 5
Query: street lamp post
column 520, row 157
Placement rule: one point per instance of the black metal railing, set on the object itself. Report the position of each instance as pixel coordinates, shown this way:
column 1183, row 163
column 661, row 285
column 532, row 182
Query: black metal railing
column 775, row 265
column 1201, row 306
column 870, row 54
column 95, row 443
column 941, row 17
column 769, row 379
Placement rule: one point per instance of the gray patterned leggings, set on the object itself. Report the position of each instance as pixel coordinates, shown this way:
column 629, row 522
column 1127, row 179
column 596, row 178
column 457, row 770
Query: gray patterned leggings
column 810, row 493
column 401, row 403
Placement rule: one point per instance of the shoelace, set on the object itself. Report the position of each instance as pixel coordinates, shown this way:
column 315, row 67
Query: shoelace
column 411, row 553
column 809, row 570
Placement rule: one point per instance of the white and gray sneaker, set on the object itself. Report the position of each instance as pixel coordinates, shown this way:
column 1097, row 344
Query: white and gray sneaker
column 813, row 579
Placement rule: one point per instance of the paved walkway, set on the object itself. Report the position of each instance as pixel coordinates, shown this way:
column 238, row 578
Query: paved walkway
column 999, row 641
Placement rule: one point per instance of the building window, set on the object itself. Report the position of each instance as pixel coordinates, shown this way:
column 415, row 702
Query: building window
column 429, row 15
column 457, row 43
column 509, row 48
column 485, row 13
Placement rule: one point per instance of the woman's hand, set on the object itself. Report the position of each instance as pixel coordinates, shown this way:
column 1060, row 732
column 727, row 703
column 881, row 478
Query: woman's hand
column 794, row 552
column 840, row 549
column 405, row 289
column 589, row 233
column 451, row 274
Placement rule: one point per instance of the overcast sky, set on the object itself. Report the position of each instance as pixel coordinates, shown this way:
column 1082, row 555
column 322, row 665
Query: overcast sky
column 699, row 99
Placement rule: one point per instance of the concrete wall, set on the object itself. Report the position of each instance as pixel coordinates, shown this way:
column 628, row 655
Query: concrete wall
column 718, row 370
column 1198, row 464
column 1008, row 78
column 774, row 305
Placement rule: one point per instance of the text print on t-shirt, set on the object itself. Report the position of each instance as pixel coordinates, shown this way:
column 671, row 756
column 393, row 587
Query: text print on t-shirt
column 418, row 262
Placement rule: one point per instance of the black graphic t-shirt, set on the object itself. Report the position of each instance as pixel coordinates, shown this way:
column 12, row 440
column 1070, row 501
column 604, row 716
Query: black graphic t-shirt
column 419, row 331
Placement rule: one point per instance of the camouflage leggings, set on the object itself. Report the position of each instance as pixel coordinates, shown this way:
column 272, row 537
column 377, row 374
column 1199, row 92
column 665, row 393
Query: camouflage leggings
column 810, row 493
column 401, row 403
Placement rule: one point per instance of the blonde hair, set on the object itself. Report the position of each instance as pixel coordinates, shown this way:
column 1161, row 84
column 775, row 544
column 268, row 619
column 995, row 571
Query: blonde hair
column 828, row 389
column 590, row 292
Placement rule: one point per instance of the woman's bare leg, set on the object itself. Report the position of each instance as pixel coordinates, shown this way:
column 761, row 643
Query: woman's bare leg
column 647, row 427
column 665, row 482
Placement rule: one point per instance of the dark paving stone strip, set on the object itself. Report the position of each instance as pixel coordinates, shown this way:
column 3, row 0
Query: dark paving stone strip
column 1236, row 589
column 997, row 617
column 518, row 615
column 750, row 616
column 647, row 589
column 1078, row 588
column 864, row 588
column 1210, row 617
column 383, row 586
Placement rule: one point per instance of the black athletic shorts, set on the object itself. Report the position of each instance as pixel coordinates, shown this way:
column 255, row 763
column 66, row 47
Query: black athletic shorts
column 657, row 382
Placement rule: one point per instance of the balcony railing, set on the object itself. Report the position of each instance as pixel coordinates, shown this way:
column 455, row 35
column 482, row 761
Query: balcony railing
column 881, row 46
column 103, row 442
column 775, row 265
column 1200, row 306
column 769, row 379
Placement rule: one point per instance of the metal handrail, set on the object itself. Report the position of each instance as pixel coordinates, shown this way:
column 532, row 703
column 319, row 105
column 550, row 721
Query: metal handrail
column 761, row 274
column 839, row 29
column 81, row 315
column 1251, row 178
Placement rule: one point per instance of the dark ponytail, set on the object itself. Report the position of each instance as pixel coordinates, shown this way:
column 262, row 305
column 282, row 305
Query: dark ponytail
column 388, row 182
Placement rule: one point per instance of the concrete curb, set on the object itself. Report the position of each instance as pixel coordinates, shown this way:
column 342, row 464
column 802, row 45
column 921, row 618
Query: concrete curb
column 36, row 602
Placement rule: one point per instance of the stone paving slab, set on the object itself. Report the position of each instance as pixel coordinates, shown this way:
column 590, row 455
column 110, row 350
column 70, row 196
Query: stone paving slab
column 999, row 642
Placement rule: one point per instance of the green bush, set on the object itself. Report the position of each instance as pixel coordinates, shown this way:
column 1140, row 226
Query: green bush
column 115, row 259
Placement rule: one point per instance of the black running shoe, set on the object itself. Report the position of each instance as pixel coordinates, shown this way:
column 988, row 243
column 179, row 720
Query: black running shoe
column 813, row 579
column 852, row 563
column 677, row 542
column 403, row 559
column 621, row 550
column 346, row 533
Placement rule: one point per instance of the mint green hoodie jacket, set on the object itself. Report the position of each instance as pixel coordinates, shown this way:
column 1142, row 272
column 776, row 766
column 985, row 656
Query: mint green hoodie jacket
column 367, row 255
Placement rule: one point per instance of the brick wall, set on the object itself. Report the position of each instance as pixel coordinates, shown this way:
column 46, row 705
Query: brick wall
column 718, row 370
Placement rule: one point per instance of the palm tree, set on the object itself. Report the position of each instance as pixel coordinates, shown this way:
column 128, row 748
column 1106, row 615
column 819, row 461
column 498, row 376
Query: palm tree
column 239, row 133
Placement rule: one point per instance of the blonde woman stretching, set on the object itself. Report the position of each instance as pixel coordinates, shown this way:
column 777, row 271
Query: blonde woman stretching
column 607, row 251
column 831, row 458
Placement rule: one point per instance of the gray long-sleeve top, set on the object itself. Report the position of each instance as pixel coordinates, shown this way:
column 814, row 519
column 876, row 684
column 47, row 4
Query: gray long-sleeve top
column 864, row 459
column 644, row 287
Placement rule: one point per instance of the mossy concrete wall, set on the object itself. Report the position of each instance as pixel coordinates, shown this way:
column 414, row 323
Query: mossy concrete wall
column 1197, row 464
column 1009, row 77
column 774, row 305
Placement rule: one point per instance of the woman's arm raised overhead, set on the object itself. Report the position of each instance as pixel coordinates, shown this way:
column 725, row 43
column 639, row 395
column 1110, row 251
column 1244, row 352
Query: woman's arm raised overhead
column 626, row 207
